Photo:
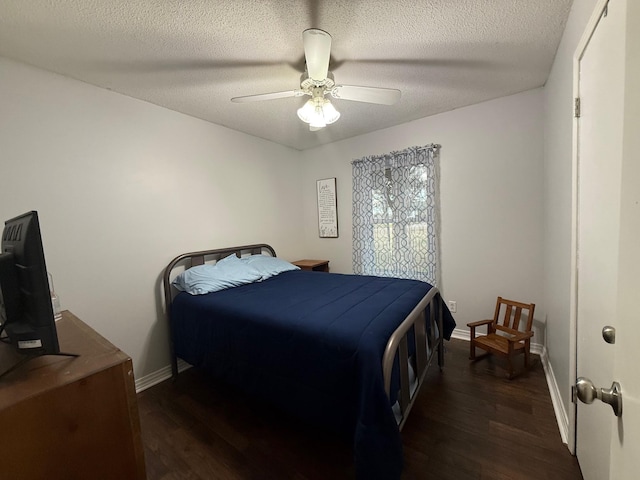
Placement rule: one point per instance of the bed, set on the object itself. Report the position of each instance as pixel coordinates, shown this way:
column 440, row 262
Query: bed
column 344, row 352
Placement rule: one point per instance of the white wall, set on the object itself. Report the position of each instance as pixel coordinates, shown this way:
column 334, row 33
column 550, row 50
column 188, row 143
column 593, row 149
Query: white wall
column 558, row 121
column 123, row 186
column 491, row 166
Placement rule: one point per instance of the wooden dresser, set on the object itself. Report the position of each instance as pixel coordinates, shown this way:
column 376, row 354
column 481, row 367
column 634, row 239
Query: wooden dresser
column 71, row 418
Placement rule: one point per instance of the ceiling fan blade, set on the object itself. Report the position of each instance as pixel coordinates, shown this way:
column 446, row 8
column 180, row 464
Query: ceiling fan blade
column 317, row 50
column 267, row 96
column 383, row 96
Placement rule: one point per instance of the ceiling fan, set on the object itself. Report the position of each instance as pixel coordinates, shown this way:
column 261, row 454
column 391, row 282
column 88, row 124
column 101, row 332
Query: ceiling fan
column 317, row 81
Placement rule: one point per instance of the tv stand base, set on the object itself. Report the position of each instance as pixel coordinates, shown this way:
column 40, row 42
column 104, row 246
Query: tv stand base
column 30, row 356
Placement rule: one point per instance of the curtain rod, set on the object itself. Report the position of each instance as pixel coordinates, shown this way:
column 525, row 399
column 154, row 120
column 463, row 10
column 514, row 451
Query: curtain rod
column 430, row 146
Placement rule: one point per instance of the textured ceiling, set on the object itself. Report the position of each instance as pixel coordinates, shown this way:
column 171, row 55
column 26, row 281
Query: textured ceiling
column 194, row 56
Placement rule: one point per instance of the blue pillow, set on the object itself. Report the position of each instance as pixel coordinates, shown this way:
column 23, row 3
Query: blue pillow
column 228, row 272
column 268, row 266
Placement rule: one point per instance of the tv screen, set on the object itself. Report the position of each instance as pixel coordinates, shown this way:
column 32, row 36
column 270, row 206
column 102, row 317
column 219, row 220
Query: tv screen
column 25, row 299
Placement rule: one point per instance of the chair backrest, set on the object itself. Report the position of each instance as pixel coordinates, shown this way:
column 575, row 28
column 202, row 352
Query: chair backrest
column 512, row 317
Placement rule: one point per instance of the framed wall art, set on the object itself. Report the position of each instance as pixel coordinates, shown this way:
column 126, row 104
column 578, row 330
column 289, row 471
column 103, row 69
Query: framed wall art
column 327, row 208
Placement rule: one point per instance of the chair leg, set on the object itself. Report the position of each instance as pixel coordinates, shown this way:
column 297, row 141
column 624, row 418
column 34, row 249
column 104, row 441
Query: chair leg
column 472, row 347
column 510, row 364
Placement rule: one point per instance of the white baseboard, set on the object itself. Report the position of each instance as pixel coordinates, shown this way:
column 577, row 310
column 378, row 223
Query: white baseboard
column 158, row 376
column 460, row 334
column 556, row 399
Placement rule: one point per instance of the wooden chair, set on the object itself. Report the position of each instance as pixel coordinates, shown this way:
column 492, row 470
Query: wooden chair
column 505, row 337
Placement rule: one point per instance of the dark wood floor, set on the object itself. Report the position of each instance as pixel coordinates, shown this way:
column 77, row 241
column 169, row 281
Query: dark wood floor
column 469, row 422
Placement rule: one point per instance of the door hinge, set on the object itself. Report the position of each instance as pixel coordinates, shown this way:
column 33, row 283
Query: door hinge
column 576, row 107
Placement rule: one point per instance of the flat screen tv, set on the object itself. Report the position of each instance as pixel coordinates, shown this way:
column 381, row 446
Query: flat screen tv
column 26, row 311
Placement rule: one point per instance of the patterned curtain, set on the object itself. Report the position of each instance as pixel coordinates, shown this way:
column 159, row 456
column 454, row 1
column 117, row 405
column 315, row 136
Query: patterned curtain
column 395, row 214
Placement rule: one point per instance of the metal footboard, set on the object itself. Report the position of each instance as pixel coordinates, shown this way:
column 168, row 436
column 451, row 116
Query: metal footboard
column 428, row 344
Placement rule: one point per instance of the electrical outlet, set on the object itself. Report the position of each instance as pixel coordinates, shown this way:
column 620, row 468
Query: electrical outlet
column 453, row 306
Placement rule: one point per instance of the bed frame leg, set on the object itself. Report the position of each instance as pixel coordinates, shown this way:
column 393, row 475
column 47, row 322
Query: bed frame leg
column 439, row 310
column 174, row 368
column 172, row 352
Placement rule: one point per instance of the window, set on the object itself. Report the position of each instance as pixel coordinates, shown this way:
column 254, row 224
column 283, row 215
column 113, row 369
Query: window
column 395, row 214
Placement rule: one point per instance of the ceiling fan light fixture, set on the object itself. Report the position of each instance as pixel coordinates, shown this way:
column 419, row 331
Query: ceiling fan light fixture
column 330, row 112
column 318, row 112
column 317, row 120
column 307, row 111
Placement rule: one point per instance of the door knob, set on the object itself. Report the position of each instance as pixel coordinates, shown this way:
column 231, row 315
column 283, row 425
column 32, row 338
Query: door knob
column 609, row 334
column 587, row 393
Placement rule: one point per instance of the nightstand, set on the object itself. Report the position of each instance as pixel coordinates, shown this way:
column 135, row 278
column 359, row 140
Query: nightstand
column 314, row 265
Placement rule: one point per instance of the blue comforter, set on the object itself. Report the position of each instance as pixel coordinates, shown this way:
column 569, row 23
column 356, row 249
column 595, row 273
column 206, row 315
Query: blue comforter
column 311, row 343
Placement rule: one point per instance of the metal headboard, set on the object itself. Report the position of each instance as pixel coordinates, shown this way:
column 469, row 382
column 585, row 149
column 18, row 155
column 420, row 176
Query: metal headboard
column 193, row 259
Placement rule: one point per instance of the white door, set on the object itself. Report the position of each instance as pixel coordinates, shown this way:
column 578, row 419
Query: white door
column 607, row 246
column 625, row 442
